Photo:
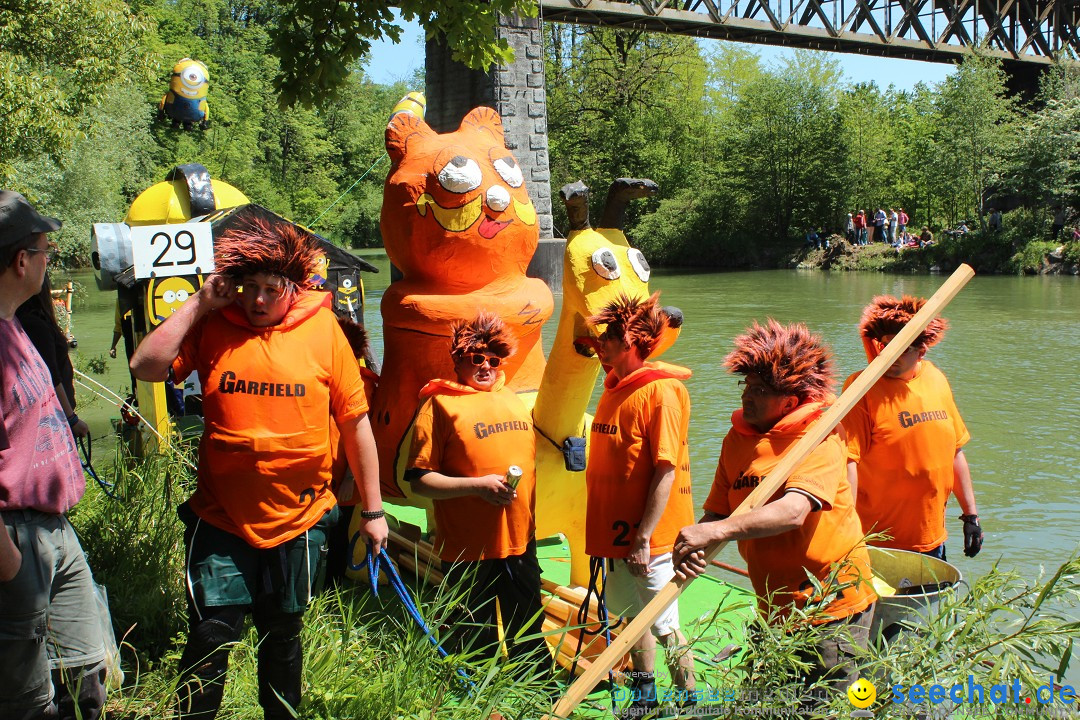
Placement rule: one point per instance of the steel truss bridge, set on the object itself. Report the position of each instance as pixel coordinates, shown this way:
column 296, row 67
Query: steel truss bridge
column 1026, row 34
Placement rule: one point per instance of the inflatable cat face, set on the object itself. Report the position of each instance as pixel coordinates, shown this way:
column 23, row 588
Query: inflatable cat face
column 456, row 214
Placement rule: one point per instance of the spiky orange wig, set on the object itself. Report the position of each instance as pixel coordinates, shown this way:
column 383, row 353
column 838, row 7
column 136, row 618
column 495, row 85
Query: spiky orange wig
column 261, row 245
column 886, row 315
column 355, row 334
column 640, row 323
column 788, row 358
column 486, row 333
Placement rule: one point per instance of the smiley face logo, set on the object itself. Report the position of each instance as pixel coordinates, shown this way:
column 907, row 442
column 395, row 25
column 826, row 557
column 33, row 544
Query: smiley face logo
column 165, row 296
column 862, row 693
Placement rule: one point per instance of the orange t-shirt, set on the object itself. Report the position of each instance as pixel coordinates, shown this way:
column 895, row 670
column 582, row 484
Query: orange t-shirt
column 640, row 421
column 904, row 435
column 268, row 396
column 778, row 564
column 464, row 432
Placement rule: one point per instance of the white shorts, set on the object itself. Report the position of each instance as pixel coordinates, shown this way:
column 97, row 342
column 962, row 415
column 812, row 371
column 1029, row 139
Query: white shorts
column 627, row 595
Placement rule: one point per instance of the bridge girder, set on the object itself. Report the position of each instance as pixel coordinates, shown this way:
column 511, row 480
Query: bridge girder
column 1023, row 33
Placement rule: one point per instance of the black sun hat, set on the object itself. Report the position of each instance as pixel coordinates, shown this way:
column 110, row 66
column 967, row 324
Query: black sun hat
column 18, row 219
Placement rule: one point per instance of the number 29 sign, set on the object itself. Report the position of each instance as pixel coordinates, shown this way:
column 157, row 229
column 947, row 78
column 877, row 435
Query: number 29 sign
column 169, row 250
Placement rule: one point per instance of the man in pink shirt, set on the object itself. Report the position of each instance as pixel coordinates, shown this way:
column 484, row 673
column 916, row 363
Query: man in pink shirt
column 52, row 655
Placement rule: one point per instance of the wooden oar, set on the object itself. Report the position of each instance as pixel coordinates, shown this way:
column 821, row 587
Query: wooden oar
column 768, row 487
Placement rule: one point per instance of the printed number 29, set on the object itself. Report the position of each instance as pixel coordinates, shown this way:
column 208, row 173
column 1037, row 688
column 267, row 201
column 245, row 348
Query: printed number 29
column 622, row 539
column 184, row 241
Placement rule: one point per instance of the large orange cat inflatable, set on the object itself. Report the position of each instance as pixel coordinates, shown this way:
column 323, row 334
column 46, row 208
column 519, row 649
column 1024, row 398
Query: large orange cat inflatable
column 459, row 225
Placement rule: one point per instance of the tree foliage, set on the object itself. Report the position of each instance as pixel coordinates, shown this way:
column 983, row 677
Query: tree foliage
column 747, row 155
column 58, row 58
column 319, row 41
column 972, row 134
column 787, row 146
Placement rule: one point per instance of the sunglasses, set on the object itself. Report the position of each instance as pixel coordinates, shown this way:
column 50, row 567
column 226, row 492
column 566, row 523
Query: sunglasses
column 478, row 359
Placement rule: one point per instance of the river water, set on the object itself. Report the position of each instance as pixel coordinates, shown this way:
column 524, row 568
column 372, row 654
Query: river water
column 1011, row 356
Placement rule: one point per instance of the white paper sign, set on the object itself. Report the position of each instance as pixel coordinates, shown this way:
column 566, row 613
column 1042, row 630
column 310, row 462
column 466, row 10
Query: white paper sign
column 168, row 250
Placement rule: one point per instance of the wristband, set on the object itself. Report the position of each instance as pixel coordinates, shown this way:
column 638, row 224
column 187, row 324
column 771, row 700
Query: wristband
column 970, row 518
column 372, row 514
column 72, row 419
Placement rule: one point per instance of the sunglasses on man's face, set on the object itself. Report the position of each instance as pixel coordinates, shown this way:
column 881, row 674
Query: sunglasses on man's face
column 478, row 359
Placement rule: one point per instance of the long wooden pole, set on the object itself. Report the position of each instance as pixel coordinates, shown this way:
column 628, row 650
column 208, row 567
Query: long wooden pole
column 768, row 487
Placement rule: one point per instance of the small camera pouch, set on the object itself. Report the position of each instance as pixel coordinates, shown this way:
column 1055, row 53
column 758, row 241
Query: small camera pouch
column 574, row 453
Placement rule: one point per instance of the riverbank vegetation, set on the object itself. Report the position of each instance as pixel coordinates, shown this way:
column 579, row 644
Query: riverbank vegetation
column 365, row 658
column 748, row 155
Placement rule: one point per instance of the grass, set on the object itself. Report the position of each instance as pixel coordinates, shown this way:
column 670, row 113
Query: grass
column 364, row 657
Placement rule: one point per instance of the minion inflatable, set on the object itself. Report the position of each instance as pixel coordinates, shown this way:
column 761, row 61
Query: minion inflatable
column 186, row 100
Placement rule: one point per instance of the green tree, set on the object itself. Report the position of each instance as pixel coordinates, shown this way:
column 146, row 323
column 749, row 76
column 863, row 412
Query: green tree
column 866, row 115
column 1044, row 169
column 787, row 147
column 973, row 135
column 915, row 146
column 625, row 104
column 58, row 58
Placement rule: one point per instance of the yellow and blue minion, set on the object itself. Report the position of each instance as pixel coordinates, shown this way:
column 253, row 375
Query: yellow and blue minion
column 185, row 102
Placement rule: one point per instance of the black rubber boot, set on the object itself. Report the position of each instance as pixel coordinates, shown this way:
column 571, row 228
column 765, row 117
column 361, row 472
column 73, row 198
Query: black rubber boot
column 642, row 698
column 204, row 665
column 281, row 662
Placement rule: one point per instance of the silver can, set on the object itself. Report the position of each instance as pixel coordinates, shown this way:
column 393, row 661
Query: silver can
column 513, row 476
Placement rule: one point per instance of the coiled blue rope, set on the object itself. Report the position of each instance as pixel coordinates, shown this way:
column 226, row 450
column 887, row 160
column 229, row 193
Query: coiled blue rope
column 374, row 561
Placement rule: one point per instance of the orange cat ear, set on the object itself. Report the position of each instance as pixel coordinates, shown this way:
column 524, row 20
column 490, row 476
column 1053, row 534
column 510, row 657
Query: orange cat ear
column 484, row 120
column 403, row 127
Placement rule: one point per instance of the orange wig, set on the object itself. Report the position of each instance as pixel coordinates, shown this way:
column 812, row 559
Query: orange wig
column 639, row 323
column 486, row 333
column 887, row 316
column 787, row 358
column 356, row 335
column 274, row 247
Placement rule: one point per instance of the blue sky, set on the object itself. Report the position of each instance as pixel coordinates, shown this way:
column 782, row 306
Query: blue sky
column 390, row 62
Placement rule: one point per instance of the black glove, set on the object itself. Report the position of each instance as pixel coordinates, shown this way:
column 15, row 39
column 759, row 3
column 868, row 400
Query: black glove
column 973, row 535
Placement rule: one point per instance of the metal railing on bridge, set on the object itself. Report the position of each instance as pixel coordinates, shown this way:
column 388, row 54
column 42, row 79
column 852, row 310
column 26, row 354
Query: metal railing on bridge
column 1017, row 31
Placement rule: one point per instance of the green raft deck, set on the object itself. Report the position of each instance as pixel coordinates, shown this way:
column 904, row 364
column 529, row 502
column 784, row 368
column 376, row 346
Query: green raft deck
column 713, row 614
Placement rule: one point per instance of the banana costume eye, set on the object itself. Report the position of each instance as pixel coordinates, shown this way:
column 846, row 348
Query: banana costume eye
column 509, row 171
column 605, row 265
column 460, row 175
column 639, row 263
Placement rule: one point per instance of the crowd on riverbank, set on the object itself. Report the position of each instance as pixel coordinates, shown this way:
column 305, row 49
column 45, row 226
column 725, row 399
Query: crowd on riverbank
column 1019, row 242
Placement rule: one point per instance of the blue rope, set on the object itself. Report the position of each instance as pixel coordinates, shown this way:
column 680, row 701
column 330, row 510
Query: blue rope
column 86, row 453
column 373, row 565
